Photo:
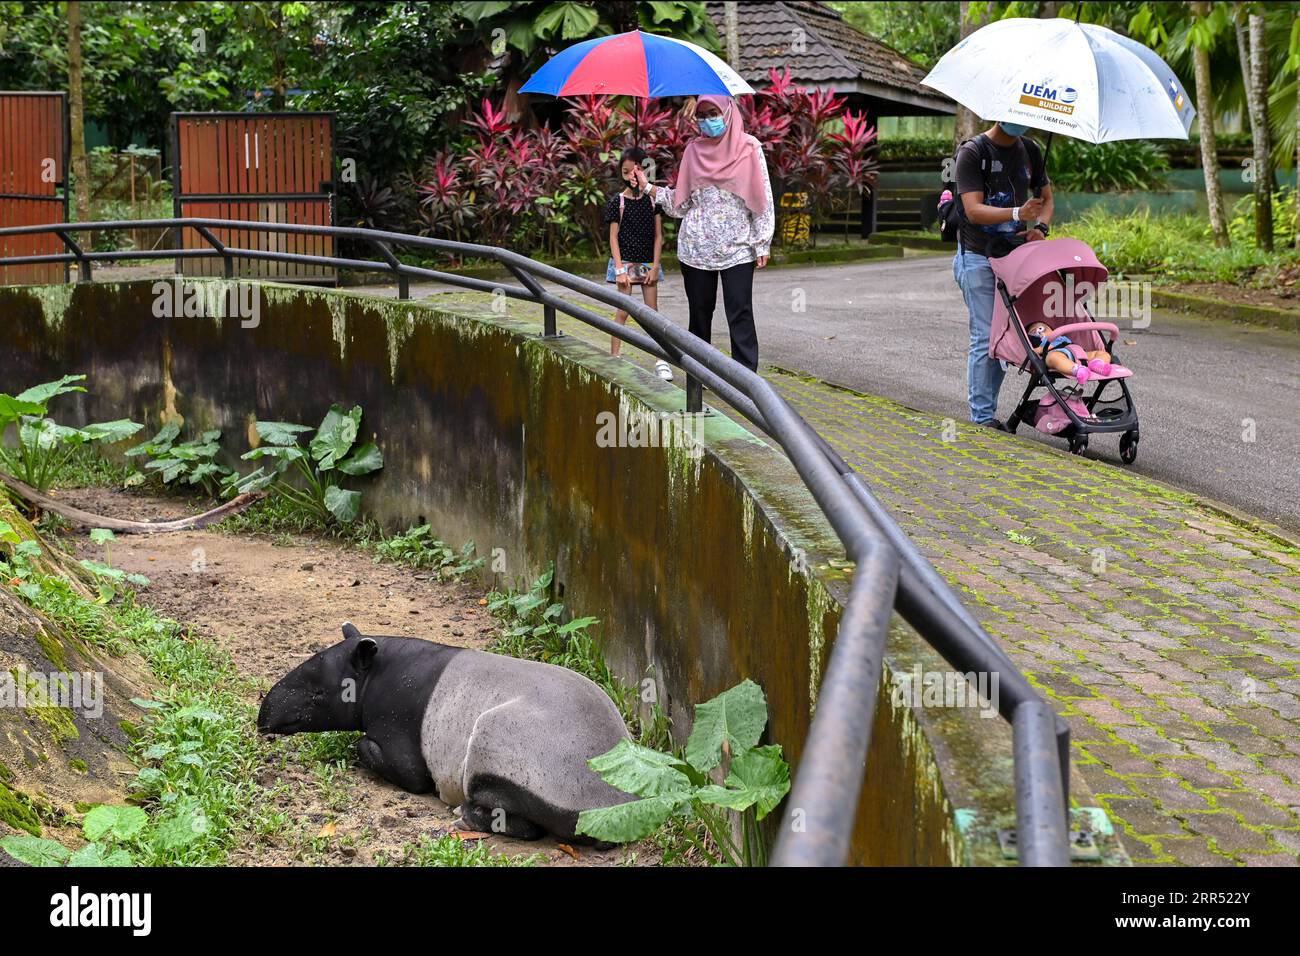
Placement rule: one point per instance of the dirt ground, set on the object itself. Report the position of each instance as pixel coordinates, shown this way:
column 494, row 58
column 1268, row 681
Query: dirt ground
column 271, row 602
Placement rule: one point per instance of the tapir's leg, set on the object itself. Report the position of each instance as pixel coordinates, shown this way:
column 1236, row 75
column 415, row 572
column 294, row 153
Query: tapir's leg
column 497, row 819
column 408, row 771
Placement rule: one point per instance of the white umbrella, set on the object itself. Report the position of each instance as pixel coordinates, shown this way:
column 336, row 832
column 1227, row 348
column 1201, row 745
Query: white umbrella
column 1077, row 79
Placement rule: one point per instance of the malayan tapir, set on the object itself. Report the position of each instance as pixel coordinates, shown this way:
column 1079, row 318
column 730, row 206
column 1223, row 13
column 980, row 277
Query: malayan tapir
column 507, row 740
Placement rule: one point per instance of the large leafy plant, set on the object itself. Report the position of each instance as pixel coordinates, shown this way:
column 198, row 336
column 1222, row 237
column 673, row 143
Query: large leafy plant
column 42, row 447
column 726, row 733
column 192, row 462
column 309, row 477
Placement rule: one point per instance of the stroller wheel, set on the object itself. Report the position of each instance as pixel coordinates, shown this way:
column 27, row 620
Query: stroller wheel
column 1013, row 422
column 1128, row 447
column 1078, row 444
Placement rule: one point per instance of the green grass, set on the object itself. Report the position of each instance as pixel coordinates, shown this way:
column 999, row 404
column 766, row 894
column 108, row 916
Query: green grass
column 451, row 851
column 279, row 516
column 418, row 548
column 198, row 750
column 1179, row 248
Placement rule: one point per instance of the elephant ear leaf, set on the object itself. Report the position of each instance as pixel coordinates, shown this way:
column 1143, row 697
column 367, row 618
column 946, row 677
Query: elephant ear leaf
column 626, row 822
column 121, row 822
column 639, row 770
column 342, row 504
column 335, row 436
column 281, row 433
column 735, row 718
column 41, row 394
column 35, row 851
column 111, row 432
column 758, row 778
column 363, row 461
column 12, row 409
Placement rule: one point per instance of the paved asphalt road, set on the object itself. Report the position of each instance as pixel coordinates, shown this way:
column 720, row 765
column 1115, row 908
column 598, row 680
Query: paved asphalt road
column 898, row 328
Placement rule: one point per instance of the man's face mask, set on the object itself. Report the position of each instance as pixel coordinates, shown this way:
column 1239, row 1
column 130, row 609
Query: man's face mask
column 1014, row 129
column 713, row 126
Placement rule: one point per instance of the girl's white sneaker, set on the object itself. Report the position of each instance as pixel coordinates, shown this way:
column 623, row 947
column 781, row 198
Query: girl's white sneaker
column 664, row 370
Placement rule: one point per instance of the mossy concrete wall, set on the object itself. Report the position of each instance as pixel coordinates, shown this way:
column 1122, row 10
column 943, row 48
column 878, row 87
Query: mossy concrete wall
column 705, row 564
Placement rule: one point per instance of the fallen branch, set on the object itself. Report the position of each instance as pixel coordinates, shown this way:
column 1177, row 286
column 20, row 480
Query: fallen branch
column 85, row 519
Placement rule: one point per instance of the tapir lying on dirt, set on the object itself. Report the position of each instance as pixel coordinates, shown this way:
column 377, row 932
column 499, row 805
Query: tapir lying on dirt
column 506, row 739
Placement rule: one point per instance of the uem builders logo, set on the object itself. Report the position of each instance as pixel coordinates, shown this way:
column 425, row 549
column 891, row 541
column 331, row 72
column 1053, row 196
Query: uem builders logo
column 1049, row 97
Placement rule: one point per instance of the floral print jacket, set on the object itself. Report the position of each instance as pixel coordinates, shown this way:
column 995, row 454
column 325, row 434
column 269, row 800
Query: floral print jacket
column 718, row 231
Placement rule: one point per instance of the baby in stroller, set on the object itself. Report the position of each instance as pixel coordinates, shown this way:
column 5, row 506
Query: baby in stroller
column 1064, row 357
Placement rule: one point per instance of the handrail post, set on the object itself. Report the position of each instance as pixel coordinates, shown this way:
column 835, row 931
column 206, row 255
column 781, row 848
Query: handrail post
column 548, row 321
column 694, row 394
column 83, row 264
column 403, row 282
column 227, row 260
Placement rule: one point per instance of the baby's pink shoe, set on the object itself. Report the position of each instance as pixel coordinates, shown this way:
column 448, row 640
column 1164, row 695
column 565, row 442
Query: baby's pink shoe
column 1100, row 366
column 1081, row 373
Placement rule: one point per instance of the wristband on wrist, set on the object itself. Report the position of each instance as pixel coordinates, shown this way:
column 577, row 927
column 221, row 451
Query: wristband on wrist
column 620, row 271
column 1015, row 214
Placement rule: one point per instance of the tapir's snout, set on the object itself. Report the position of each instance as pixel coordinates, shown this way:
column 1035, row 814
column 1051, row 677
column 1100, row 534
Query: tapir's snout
column 280, row 713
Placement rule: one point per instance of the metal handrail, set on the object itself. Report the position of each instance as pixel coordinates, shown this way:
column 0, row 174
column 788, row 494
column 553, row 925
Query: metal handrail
column 890, row 572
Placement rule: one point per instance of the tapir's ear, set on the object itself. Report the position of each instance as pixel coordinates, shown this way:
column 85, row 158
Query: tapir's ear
column 364, row 653
column 350, row 630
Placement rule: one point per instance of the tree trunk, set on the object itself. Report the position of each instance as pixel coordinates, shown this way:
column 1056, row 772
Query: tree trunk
column 1257, row 97
column 76, row 114
column 1209, row 146
column 967, row 122
column 731, row 20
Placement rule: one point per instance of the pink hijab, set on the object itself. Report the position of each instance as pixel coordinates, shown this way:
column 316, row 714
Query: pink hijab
column 733, row 161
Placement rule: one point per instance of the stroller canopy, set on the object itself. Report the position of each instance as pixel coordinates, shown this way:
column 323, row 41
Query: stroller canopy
column 1047, row 279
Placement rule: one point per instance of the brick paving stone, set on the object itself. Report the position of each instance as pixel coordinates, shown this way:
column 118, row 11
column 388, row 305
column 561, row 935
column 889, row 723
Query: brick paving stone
column 1279, row 790
column 1223, row 757
column 1143, row 816
column 1193, row 851
column 1195, row 771
column 1253, row 808
column 1268, row 859
column 1226, row 831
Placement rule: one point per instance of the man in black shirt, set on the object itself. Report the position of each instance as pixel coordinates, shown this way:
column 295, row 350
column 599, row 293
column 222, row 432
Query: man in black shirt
column 1001, row 182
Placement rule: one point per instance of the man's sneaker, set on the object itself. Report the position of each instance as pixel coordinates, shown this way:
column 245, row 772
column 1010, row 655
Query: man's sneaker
column 664, row 370
column 995, row 424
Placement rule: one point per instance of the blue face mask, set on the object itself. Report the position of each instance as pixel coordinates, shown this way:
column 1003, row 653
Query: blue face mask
column 1014, row 129
column 713, row 126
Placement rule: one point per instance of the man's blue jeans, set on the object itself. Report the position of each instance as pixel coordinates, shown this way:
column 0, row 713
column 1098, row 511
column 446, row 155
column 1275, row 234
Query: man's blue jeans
column 983, row 374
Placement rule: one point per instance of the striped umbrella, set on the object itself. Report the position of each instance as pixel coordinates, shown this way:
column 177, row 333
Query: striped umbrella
column 636, row 64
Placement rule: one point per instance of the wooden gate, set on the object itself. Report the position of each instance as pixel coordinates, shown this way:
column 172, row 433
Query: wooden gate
column 33, row 176
column 262, row 167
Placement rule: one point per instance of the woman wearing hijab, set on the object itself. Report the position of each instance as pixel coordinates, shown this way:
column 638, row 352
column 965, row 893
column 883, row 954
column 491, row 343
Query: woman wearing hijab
column 724, row 199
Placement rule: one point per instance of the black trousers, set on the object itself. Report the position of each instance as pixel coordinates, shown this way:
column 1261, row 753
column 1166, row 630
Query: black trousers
column 737, row 302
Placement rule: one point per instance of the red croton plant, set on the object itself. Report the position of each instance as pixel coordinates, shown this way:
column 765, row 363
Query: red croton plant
column 540, row 191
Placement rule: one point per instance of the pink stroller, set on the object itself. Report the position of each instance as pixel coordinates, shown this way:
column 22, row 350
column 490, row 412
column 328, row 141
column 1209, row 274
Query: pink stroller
column 1047, row 281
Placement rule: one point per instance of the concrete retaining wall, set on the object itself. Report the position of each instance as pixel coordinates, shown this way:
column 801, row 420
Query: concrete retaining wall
column 688, row 556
